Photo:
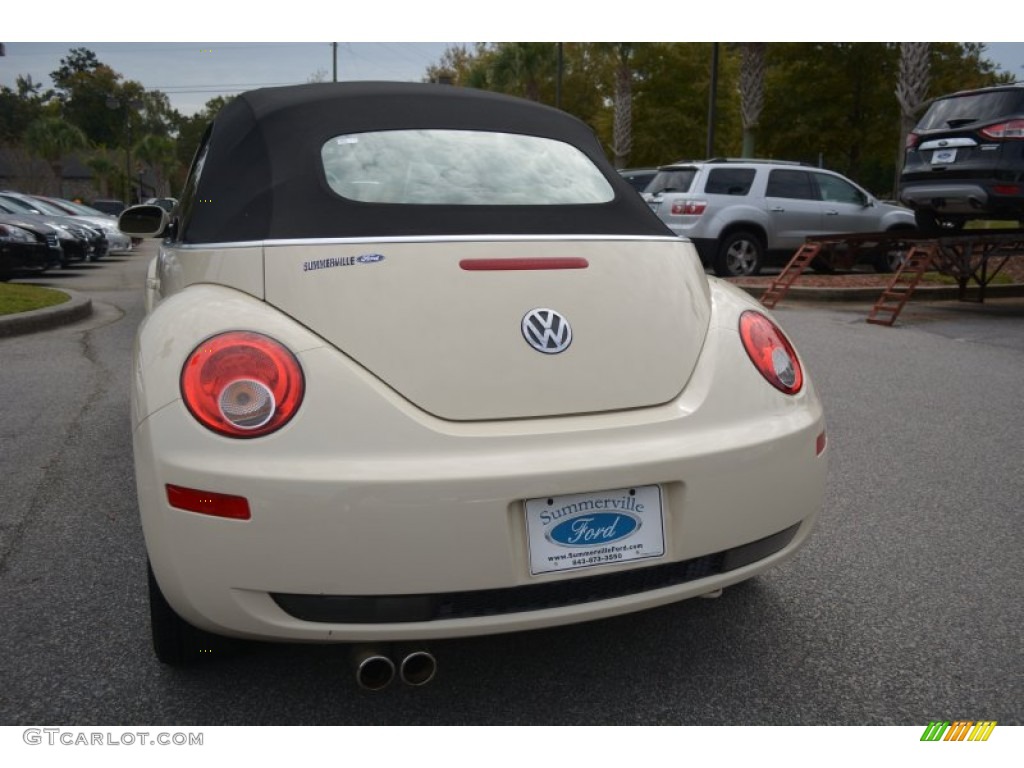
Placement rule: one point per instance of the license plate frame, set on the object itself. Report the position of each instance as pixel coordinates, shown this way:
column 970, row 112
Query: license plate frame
column 596, row 529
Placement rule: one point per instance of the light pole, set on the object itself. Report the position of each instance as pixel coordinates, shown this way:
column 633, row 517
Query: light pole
column 113, row 102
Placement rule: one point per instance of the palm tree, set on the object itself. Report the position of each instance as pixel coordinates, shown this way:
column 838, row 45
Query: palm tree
column 622, row 128
column 103, row 168
column 52, row 138
column 752, row 66
column 158, row 152
column 911, row 90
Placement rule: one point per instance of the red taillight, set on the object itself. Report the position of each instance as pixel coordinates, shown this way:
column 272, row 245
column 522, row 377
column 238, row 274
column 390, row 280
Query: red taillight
column 771, row 352
column 688, row 207
column 912, row 140
column 499, row 265
column 242, row 384
column 1011, row 129
column 208, row 503
column 1007, row 189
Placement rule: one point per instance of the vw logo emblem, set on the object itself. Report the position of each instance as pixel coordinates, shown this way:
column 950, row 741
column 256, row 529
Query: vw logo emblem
column 546, row 331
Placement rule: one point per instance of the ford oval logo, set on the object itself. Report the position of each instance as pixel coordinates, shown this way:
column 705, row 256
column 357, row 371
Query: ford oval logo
column 595, row 529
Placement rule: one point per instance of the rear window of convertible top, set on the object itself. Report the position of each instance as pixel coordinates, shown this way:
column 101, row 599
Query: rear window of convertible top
column 453, row 167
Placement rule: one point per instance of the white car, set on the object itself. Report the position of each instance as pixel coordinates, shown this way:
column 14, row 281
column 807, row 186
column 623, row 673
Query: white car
column 419, row 364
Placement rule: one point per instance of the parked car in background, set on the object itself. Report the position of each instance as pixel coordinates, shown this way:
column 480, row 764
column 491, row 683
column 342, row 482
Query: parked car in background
column 965, row 159
column 113, row 207
column 114, row 239
column 77, row 241
column 518, row 404
column 117, row 240
column 20, row 251
column 167, row 203
column 638, row 178
column 46, row 234
column 742, row 214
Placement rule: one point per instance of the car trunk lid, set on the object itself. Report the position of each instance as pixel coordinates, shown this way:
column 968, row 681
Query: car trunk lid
column 442, row 323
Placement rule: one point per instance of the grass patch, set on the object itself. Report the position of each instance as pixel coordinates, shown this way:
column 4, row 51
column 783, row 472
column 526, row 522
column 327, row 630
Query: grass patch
column 22, row 298
column 991, row 224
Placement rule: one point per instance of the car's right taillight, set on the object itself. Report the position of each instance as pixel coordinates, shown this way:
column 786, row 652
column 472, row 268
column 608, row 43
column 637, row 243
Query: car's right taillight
column 770, row 352
column 1011, row 129
column 688, row 207
column 912, row 140
column 242, row 384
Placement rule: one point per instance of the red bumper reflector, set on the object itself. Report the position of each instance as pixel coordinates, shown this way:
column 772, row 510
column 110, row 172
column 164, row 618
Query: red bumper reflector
column 498, row 265
column 822, row 442
column 207, row 503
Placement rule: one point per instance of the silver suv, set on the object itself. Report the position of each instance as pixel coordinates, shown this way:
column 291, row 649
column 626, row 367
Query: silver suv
column 741, row 214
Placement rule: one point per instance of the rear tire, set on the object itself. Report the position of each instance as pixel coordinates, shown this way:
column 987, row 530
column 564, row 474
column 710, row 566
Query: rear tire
column 891, row 258
column 739, row 254
column 822, row 263
column 175, row 641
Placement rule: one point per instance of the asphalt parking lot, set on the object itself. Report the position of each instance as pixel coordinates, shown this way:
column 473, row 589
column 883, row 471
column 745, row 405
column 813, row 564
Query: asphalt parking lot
column 905, row 606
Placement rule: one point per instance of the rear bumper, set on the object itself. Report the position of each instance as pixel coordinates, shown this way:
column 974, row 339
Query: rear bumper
column 372, row 520
column 388, row 553
column 968, row 197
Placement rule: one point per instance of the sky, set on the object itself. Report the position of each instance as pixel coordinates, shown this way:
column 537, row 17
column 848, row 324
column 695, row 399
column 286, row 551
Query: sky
column 193, row 73
column 399, row 39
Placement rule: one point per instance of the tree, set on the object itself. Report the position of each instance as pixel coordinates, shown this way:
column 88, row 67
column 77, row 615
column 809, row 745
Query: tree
column 189, row 132
column 752, row 65
column 911, row 90
column 77, row 61
column 671, row 88
column 104, row 169
column 621, row 55
column 522, row 68
column 455, row 65
column 51, row 139
column 158, row 152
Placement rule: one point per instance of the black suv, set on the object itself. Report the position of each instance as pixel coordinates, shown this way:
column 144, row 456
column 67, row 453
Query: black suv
column 965, row 159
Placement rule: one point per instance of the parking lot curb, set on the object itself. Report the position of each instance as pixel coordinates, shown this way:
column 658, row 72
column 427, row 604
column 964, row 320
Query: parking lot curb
column 75, row 308
column 871, row 295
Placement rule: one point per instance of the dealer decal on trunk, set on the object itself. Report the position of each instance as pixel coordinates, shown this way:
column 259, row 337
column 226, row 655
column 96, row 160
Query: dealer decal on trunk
column 341, row 261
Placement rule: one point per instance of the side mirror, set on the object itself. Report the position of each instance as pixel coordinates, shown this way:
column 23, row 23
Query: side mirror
column 143, row 221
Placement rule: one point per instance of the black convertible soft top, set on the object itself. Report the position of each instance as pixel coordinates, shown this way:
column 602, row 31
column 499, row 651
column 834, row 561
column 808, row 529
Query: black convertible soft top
column 263, row 178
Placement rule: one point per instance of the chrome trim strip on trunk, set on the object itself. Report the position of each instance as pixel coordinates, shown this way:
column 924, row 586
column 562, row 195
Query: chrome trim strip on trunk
column 423, row 239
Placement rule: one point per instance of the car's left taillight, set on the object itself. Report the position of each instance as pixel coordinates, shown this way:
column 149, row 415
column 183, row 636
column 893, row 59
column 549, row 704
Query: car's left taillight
column 771, row 353
column 242, row 384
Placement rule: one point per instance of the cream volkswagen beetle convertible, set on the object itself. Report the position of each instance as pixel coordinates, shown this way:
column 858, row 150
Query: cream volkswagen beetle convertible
column 418, row 364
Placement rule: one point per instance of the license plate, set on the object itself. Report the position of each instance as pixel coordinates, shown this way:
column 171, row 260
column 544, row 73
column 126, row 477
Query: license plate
column 601, row 528
column 943, row 156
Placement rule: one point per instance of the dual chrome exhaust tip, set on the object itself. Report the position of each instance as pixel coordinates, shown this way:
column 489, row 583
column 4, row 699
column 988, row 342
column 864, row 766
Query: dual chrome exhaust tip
column 375, row 670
